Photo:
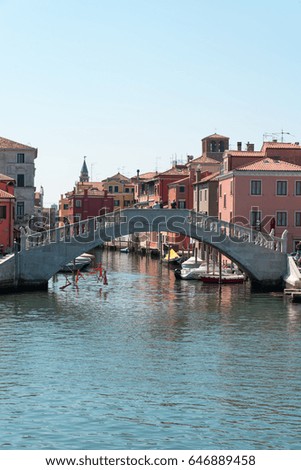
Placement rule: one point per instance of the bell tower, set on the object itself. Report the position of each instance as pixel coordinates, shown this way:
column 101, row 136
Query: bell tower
column 84, row 174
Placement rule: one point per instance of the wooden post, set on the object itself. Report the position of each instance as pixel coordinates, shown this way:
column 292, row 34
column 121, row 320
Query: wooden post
column 220, row 268
column 160, row 246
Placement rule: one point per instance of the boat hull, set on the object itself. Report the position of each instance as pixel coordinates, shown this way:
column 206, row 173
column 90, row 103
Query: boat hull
column 216, row 279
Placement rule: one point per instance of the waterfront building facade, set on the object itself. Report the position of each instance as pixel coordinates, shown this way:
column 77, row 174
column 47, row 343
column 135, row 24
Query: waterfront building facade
column 205, row 198
column 121, row 189
column 142, row 197
column 17, row 161
column 264, row 195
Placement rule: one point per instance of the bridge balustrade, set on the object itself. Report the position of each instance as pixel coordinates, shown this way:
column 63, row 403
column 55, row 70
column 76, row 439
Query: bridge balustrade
column 69, row 232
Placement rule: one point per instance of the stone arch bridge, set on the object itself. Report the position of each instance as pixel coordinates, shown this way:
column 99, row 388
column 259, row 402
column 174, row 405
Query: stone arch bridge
column 261, row 256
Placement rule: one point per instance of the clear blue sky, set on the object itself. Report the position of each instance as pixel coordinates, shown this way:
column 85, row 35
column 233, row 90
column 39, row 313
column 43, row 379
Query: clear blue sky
column 133, row 83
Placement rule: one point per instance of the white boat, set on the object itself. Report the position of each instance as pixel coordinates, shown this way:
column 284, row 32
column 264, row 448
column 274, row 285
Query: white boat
column 192, row 268
column 192, row 262
column 78, row 264
column 192, row 273
column 124, row 250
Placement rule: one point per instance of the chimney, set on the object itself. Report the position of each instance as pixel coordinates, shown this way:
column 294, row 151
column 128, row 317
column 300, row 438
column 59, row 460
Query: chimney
column 250, row 147
column 138, row 184
column 189, row 158
column 198, row 174
column 239, row 146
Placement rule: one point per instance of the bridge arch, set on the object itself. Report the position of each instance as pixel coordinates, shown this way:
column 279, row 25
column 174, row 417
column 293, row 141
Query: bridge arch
column 262, row 256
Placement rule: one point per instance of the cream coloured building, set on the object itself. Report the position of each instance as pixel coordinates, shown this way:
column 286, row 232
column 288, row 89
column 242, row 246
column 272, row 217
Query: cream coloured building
column 17, row 161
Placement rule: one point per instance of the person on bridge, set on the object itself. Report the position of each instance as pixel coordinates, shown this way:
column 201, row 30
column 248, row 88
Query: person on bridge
column 173, row 204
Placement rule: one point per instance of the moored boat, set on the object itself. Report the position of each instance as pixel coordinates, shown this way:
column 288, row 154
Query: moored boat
column 225, row 278
column 78, row 264
column 193, row 268
column 172, row 257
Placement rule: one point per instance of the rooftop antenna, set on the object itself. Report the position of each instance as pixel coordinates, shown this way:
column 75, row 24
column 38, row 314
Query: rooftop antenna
column 92, row 164
column 275, row 134
column 282, row 133
column 156, row 168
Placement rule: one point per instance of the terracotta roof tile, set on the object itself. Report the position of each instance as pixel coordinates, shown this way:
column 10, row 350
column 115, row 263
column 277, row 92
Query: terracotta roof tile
column 280, row 145
column 5, row 195
column 215, row 136
column 5, row 178
column 182, row 170
column 212, row 177
column 117, row 177
column 6, row 144
column 205, row 159
column 242, row 153
column 146, row 176
column 269, row 164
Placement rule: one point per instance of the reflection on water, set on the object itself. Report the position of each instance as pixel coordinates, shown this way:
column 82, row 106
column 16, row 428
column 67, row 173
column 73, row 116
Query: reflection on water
column 149, row 362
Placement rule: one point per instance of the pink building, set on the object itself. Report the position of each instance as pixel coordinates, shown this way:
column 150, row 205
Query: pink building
column 7, row 213
column 265, row 194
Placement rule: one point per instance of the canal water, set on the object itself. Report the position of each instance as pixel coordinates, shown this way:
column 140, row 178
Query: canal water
column 149, row 362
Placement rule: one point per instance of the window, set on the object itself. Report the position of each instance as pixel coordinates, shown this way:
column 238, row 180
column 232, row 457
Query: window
column 20, row 180
column 298, row 219
column 78, row 203
column 221, row 146
column 127, row 203
column 298, row 188
column 127, row 190
column 116, row 189
column 66, row 206
column 255, row 218
column 213, row 146
column 256, row 187
column 20, row 209
column 182, row 189
column 220, row 190
column 281, row 188
column 182, row 205
column 231, row 188
column 2, row 212
column 225, row 201
column 110, row 189
column 20, row 158
column 205, row 195
column 116, row 203
column 281, row 219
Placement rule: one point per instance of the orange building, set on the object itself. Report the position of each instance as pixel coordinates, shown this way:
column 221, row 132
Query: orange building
column 122, row 189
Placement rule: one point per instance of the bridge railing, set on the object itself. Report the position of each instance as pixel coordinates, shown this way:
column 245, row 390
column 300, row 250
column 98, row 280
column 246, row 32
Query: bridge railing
column 81, row 230
column 239, row 233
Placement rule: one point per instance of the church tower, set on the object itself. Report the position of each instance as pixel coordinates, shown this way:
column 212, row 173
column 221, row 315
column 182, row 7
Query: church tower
column 84, row 174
